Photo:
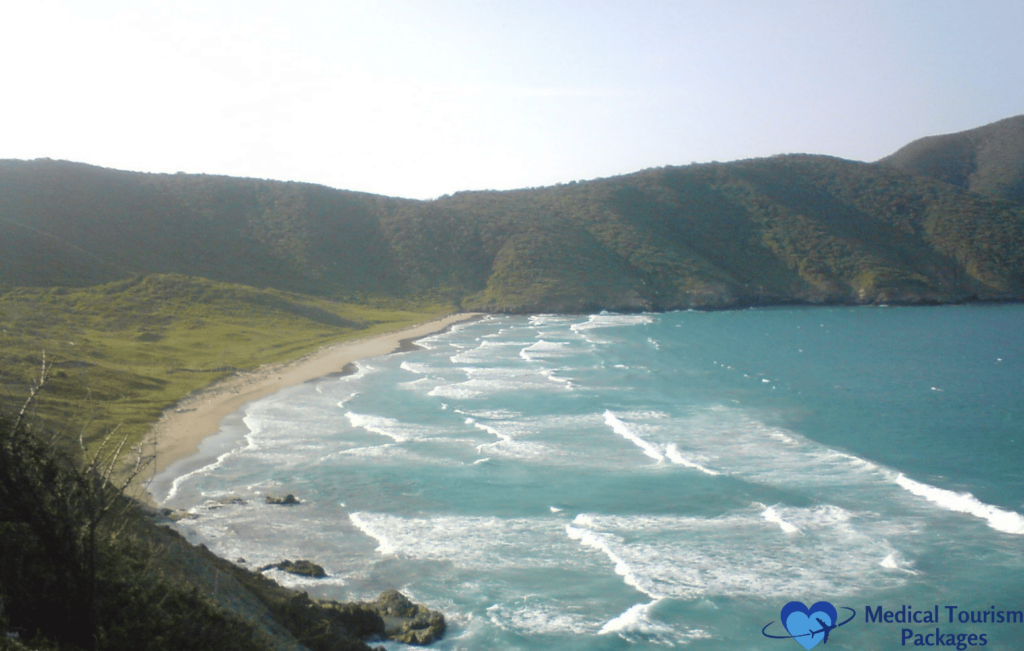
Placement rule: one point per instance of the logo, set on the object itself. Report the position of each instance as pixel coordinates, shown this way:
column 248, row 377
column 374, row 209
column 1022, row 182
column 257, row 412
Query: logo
column 808, row 626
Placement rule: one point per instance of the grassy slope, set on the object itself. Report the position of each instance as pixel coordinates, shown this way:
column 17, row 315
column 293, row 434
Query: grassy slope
column 124, row 351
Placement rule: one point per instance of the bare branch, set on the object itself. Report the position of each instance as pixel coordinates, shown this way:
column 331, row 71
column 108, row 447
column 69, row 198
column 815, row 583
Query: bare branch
column 113, row 457
column 44, row 374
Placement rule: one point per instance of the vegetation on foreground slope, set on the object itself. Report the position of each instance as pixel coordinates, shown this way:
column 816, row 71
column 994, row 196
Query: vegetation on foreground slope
column 125, row 351
column 82, row 568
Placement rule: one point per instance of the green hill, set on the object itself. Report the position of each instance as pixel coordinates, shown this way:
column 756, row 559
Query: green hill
column 68, row 224
column 124, row 351
column 786, row 229
column 988, row 160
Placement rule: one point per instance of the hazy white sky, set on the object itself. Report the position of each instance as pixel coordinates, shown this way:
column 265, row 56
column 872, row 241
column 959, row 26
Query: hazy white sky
column 418, row 98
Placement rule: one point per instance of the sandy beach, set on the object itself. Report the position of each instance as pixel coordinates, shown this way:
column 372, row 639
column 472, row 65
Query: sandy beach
column 182, row 427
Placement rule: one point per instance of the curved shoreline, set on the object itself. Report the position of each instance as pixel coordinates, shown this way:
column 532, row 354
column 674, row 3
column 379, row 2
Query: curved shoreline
column 183, row 426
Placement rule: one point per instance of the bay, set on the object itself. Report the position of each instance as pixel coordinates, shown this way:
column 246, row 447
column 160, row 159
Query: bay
column 647, row 481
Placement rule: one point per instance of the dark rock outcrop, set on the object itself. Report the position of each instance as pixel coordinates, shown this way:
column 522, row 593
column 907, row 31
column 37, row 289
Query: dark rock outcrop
column 287, row 500
column 407, row 622
column 324, row 624
column 301, row 567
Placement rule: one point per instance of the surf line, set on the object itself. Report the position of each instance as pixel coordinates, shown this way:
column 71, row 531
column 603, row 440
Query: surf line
column 999, row 519
column 649, row 449
column 623, row 430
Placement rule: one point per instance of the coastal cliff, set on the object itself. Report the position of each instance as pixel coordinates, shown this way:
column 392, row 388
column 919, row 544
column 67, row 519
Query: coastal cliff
column 84, row 566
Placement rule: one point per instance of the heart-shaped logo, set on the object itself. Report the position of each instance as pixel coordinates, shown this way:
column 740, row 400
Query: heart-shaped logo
column 808, row 626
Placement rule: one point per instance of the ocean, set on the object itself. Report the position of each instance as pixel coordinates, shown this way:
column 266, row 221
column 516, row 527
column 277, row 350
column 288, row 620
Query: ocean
column 650, row 481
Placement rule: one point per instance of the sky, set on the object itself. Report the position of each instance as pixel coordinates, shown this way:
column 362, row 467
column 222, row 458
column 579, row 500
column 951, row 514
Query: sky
column 421, row 98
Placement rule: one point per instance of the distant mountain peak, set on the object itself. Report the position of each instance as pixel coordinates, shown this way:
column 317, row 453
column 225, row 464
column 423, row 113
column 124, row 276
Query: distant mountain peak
column 988, row 160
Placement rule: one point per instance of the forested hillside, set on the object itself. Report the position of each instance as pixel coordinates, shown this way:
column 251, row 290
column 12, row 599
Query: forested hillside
column 988, row 160
column 941, row 220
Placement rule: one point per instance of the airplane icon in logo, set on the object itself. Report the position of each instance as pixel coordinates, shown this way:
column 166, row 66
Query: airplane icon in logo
column 825, row 628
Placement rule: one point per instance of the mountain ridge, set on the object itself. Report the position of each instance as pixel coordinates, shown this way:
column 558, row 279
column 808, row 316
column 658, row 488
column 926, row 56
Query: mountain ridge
column 796, row 228
column 988, row 160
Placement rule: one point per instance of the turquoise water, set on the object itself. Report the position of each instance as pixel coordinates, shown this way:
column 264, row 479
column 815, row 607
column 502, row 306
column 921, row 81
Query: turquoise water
column 648, row 481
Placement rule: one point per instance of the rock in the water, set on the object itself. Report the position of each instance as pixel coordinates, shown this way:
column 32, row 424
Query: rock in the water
column 287, row 500
column 227, row 501
column 407, row 622
column 302, row 568
column 332, row 625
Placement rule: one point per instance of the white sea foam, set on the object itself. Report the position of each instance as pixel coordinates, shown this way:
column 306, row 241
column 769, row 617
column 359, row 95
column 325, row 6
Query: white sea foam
column 673, row 454
column 728, row 441
column 639, row 624
column 625, row 432
column 635, row 620
column 420, row 384
column 552, row 375
column 265, row 534
column 612, row 321
column 399, row 431
column 588, row 329
column 178, row 481
column 253, row 424
column 435, row 341
column 545, row 349
column 500, row 435
column 730, row 555
column 490, row 414
column 457, row 391
column 370, row 451
column 645, row 414
column 487, row 351
column 606, row 544
column 417, row 368
column 523, row 450
column 771, row 515
column 489, row 381
column 537, row 615
column 366, row 524
column 474, row 542
column 382, row 425
column 541, row 320
column 779, row 435
column 341, row 403
column 997, row 518
column 895, row 561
